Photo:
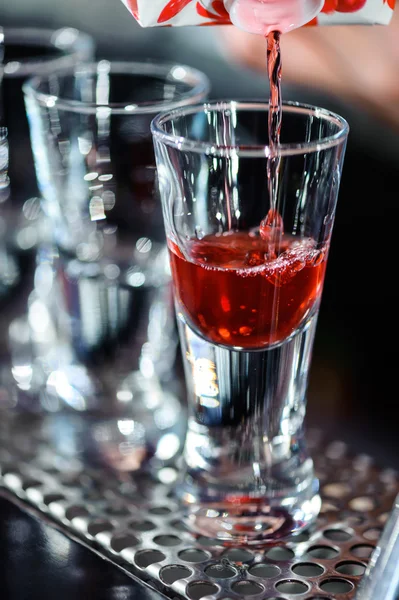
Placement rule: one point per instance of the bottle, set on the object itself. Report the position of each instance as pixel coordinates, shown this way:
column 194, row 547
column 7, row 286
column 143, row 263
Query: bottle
column 243, row 13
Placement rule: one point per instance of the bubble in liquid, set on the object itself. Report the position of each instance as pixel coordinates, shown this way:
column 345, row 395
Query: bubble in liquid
column 254, row 258
column 224, row 333
column 245, row 330
column 316, row 257
column 296, row 266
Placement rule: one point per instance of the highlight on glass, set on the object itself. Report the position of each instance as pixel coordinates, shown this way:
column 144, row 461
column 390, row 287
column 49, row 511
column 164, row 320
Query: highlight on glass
column 248, row 228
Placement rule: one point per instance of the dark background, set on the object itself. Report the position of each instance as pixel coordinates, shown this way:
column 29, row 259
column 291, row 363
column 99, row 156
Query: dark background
column 352, row 388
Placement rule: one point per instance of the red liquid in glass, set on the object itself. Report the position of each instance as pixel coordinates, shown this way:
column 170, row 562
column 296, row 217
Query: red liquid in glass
column 233, row 294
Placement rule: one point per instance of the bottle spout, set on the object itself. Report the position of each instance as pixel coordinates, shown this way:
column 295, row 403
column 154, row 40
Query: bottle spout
column 260, row 16
column 264, row 16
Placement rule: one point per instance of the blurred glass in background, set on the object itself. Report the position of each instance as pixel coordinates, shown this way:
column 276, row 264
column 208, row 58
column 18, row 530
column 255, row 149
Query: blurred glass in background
column 27, row 51
column 100, row 320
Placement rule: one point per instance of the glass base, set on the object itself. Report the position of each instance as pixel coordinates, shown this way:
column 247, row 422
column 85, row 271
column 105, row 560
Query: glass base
column 248, row 477
column 240, row 519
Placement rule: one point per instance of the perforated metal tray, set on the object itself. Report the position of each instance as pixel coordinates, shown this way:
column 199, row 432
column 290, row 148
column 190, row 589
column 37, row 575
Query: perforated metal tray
column 135, row 523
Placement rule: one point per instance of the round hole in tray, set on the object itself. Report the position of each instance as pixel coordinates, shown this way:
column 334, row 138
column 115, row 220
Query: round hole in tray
column 247, row 588
column 320, row 551
column 31, row 483
column 362, row 550
column 50, row 498
column 117, row 510
column 334, row 585
column 128, row 489
column 76, row 511
column 220, row 571
column 160, row 510
column 280, row 553
column 167, row 540
column 199, row 589
column 142, row 525
column 239, row 555
column 350, row 518
column 265, row 571
column 389, row 475
column 145, row 558
column 362, row 462
column 194, row 555
column 173, row 573
column 70, row 480
column 362, row 504
column 92, row 495
column 336, row 450
column 372, row 534
column 123, row 540
column 292, row 587
column 328, row 506
column 383, row 518
column 301, row 537
column 11, row 469
column 179, row 525
column 348, row 567
column 51, row 470
column 337, row 535
column 99, row 525
column 336, row 490
column 307, row 569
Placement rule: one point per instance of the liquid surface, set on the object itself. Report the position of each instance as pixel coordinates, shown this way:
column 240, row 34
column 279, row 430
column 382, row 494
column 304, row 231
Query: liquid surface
column 234, row 293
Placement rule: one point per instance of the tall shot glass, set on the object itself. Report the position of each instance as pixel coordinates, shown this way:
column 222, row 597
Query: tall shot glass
column 101, row 314
column 248, row 277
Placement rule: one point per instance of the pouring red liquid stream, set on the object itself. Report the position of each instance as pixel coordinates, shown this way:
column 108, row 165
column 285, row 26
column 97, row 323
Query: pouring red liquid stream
column 271, row 228
column 251, row 290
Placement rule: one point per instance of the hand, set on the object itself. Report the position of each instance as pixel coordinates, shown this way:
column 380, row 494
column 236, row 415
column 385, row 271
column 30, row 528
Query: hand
column 355, row 63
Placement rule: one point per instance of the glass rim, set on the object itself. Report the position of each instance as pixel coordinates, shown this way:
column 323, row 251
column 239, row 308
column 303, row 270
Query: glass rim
column 199, row 82
column 254, row 151
column 68, row 39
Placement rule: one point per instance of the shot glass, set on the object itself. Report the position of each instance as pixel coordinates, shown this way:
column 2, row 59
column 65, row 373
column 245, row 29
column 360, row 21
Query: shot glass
column 248, row 272
column 101, row 318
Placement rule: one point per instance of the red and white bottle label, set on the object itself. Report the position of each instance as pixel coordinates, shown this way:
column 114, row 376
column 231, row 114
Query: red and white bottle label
column 152, row 13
